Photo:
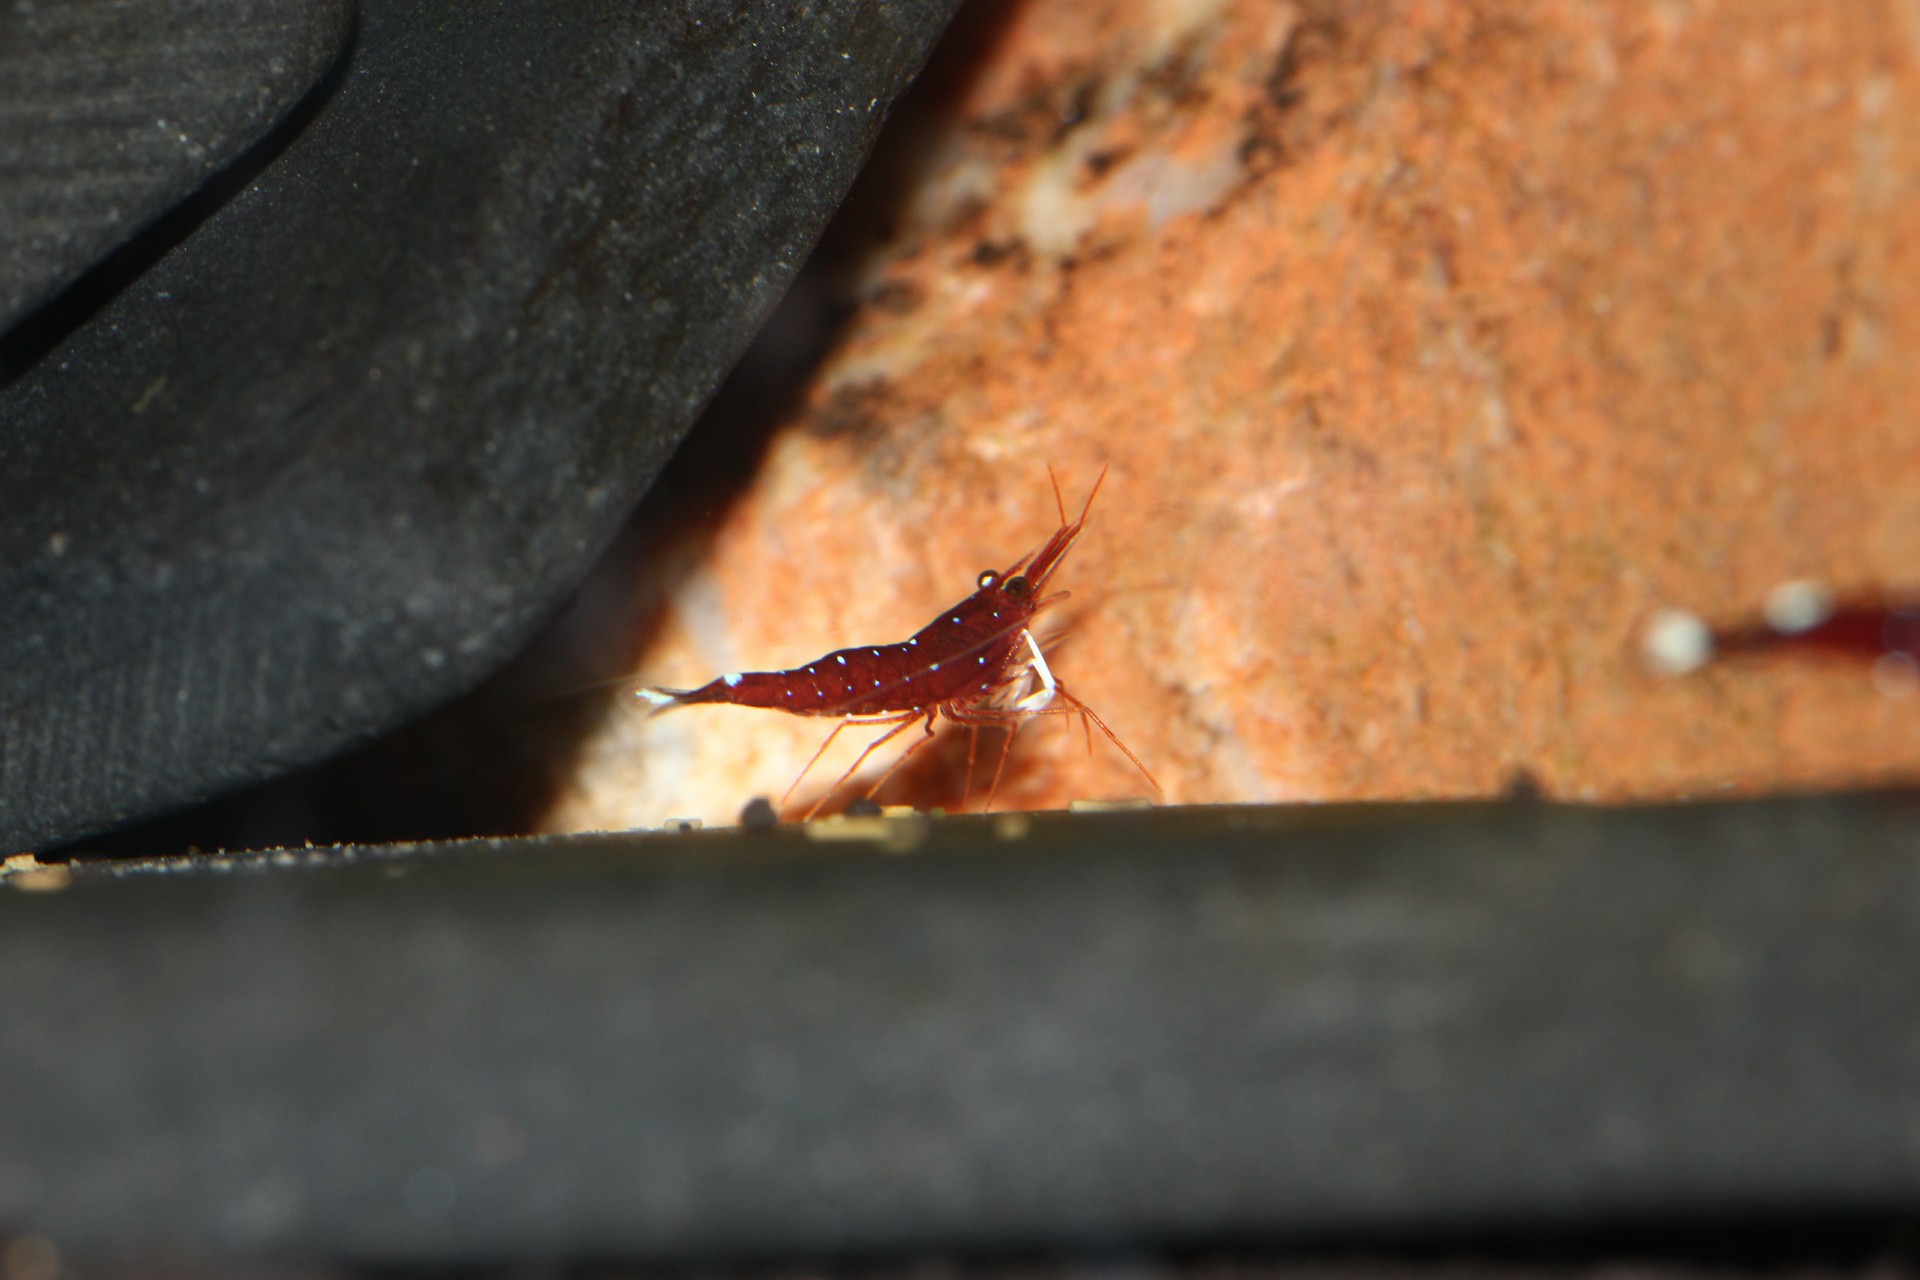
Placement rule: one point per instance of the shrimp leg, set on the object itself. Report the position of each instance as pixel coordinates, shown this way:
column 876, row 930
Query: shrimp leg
column 900, row 724
column 894, row 768
column 907, row 717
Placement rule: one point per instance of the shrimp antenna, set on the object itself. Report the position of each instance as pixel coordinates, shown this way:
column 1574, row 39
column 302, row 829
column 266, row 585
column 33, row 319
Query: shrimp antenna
column 1059, row 501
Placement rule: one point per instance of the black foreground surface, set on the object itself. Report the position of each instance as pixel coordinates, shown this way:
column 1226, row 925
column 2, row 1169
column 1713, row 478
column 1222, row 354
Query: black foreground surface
column 1023, row 1032
column 331, row 457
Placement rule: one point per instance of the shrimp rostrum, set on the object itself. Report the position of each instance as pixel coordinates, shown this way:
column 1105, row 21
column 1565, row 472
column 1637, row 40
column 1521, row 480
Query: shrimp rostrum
column 977, row 664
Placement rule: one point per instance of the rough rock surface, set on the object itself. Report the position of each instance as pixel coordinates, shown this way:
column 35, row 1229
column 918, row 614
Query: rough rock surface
column 1433, row 347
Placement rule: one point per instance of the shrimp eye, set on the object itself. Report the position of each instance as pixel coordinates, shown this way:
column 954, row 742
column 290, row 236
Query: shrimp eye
column 987, row 578
column 1019, row 588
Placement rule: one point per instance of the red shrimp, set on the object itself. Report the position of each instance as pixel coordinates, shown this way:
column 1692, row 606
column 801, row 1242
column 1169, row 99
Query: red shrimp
column 967, row 664
column 1801, row 618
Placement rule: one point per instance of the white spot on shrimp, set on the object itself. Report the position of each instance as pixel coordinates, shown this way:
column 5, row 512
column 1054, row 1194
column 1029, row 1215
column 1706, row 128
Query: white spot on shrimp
column 956, row 619
column 933, row 666
column 731, row 679
column 1794, row 607
column 983, row 660
column 841, row 659
column 911, row 643
column 1676, row 643
column 874, row 652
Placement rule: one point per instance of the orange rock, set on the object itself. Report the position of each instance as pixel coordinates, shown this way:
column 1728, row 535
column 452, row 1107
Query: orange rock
column 1433, row 346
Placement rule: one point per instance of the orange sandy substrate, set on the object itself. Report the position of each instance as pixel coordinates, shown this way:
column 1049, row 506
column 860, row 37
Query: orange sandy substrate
column 1433, row 346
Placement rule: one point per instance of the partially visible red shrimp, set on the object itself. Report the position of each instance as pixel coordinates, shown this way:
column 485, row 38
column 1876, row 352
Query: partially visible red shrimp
column 1801, row 618
column 969, row 664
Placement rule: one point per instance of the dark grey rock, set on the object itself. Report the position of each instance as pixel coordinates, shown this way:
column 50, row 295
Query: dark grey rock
column 333, row 457
column 1115, row 1030
column 111, row 113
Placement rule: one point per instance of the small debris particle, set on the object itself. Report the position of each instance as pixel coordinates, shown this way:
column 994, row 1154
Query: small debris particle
column 30, row 875
column 681, row 824
column 759, row 815
column 864, row 807
column 148, row 396
column 1110, row 806
column 1523, row 786
column 895, row 835
column 1012, row 826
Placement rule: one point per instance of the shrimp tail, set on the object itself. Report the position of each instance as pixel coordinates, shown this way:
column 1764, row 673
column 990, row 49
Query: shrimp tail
column 725, row 689
column 659, row 700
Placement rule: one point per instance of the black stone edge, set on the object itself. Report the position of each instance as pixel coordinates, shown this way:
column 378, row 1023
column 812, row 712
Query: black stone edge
column 897, row 835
